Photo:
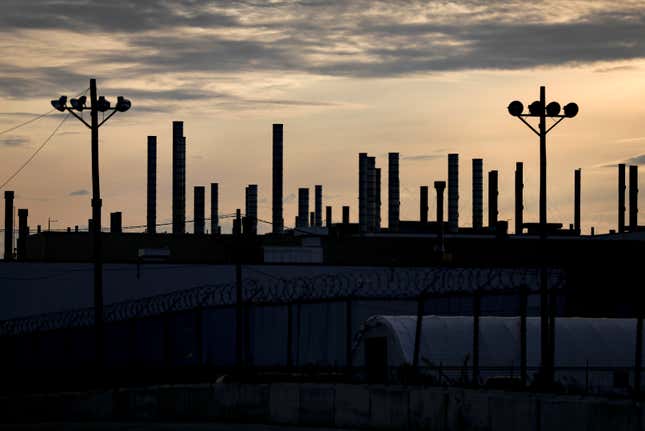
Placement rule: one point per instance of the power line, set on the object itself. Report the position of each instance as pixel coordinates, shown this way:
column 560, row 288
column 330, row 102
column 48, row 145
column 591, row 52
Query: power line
column 34, row 153
column 26, row 122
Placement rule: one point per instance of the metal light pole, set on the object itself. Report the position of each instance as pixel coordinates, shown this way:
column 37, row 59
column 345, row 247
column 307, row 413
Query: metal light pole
column 541, row 110
column 97, row 104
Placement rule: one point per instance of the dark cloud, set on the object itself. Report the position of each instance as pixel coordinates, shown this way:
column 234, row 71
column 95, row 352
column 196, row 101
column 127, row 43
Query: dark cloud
column 346, row 38
column 81, row 192
column 13, row 141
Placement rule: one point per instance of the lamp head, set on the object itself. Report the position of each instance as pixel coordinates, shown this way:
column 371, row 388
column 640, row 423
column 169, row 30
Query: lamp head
column 536, row 108
column 60, row 103
column 515, row 108
column 122, row 104
column 102, row 104
column 553, row 109
column 571, row 110
column 79, row 104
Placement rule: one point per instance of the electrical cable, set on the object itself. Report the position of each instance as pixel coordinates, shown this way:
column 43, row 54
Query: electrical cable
column 2, row 132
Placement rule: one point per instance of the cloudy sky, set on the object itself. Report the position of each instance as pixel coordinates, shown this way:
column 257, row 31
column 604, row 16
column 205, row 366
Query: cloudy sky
column 420, row 78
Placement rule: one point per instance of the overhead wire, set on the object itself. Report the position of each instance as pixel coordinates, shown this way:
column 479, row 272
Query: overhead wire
column 2, row 132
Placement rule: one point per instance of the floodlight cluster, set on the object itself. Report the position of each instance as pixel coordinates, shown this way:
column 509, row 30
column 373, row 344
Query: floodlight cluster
column 80, row 104
column 516, row 109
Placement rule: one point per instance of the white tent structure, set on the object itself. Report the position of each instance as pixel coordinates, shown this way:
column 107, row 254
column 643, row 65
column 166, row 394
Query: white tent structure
column 588, row 351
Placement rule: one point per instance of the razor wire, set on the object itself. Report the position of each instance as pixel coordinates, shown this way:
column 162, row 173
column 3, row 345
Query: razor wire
column 373, row 284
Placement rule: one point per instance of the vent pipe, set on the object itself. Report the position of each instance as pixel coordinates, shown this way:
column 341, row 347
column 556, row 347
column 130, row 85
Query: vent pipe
column 215, row 228
column 478, row 194
column 8, row 225
column 453, row 192
column 633, row 198
column 199, row 202
column 621, row 198
column 423, row 204
column 519, row 198
column 318, row 205
column 278, row 174
column 393, row 192
column 493, row 194
column 440, row 186
column 178, row 178
column 151, row 219
column 576, row 200
column 116, row 222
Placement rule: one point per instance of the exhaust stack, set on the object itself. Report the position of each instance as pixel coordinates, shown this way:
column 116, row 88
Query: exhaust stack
column 478, row 194
column 519, row 198
column 8, row 225
column 633, row 198
column 278, row 174
column 152, row 186
column 453, row 192
column 493, row 194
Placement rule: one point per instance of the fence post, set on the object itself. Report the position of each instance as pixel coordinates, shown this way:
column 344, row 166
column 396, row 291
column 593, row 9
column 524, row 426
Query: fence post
column 417, row 333
column 239, row 318
column 639, row 353
column 476, row 314
column 348, row 336
column 289, row 336
column 523, row 312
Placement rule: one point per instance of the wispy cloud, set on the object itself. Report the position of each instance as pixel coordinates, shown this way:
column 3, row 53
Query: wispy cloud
column 634, row 160
column 81, row 192
column 13, row 141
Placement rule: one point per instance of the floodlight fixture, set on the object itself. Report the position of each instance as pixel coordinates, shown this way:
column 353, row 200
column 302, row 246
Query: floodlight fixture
column 123, row 104
column 102, row 104
column 515, row 108
column 78, row 104
column 553, row 109
column 536, row 108
column 570, row 110
column 60, row 103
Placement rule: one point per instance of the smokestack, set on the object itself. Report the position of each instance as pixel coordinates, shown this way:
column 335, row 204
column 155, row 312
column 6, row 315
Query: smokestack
column 312, row 219
column 371, row 194
column 23, row 233
column 303, row 207
column 393, row 193
column 362, row 192
column 151, row 219
column 576, row 200
column 328, row 219
column 90, row 225
column 440, row 186
column 453, row 192
column 633, row 198
column 8, row 225
column 492, row 199
column 237, row 223
column 478, row 194
column 318, row 206
column 277, row 220
column 621, row 198
column 199, row 203
column 519, row 198
column 423, row 204
column 215, row 209
column 377, row 214
column 345, row 214
column 178, row 178
column 252, row 208
column 116, row 225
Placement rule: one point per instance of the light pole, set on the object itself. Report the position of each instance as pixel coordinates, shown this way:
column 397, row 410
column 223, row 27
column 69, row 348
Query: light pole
column 541, row 110
column 97, row 104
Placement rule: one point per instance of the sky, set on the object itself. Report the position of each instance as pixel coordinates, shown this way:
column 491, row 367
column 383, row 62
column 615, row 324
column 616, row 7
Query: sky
column 420, row 78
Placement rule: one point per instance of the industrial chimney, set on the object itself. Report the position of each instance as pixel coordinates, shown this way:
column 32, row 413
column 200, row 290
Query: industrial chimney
column 519, row 198
column 371, row 194
column 345, row 214
column 151, row 219
column 576, row 199
column 23, row 233
column 199, row 199
column 215, row 229
column 478, row 194
column 252, row 208
column 362, row 192
column 328, row 216
column 303, row 207
column 423, row 204
column 8, row 225
column 393, row 193
column 178, row 178
column 277, row 219
column 621, row 198
column 453, row 192
column 633, row 198
column 377, row 199
column 318, row 205
column 493, row 194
